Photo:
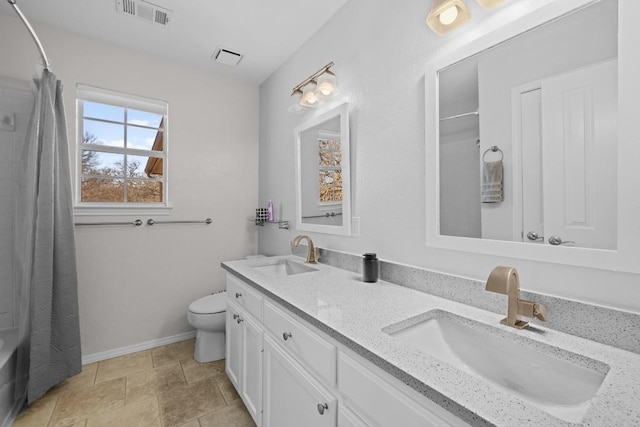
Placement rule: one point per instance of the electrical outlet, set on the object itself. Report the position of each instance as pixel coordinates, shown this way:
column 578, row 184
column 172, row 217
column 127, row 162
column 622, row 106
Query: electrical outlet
column 355, row 226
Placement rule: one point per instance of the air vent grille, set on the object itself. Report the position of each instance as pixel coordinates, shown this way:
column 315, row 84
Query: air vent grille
column 226, row 56
column 144, row 10
column 162, row 17
column 129, row 7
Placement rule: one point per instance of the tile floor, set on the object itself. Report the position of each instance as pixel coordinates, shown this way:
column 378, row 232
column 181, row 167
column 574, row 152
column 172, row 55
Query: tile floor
column 161, row 387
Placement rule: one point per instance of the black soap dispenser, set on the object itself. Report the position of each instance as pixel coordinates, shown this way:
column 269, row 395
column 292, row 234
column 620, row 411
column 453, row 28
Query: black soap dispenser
column 370, row 268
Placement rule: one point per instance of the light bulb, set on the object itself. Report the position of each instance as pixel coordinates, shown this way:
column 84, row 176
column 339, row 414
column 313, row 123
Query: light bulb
column 309, row 98
column 448, row 16
column 326, row 85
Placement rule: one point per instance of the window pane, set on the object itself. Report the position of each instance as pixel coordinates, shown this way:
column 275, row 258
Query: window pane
column 142, row 118
column 101, row 133
column 102, row 190
column 137, row 166
column 140, row 191
column 98, row 163
column 143, row 139
column 103, row 111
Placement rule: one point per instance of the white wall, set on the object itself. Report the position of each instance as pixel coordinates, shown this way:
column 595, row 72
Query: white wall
column 381, row 50
column 135, row 283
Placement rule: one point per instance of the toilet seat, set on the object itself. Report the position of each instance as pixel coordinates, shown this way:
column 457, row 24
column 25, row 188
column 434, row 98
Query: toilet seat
column 210, row 304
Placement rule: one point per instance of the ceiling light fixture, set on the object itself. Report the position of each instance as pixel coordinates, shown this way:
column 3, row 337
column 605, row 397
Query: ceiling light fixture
column 447, row 15
column 319, row 86
column 487, row 4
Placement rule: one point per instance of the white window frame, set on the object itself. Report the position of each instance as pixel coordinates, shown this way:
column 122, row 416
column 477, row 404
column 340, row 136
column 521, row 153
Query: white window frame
column 110, row 97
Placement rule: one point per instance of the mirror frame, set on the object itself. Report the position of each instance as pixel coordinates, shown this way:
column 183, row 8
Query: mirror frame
column 521, row 18
column 345, row 229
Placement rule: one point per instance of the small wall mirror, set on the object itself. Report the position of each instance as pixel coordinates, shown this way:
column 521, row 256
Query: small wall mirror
column 529, row 148
column 323, row 199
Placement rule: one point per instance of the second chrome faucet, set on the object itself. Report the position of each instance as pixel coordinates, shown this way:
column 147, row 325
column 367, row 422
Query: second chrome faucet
column 505, row 280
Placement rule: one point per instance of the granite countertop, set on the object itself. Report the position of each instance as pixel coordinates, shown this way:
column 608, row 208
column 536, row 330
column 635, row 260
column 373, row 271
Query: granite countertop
column 355, row 313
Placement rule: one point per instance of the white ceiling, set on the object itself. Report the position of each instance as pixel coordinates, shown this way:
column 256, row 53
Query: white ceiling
column 267, row 32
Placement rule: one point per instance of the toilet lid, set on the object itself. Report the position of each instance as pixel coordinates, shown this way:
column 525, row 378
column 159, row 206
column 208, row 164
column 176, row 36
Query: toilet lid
column 210, row 304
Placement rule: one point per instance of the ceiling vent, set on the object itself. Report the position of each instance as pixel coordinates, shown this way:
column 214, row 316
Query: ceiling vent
column 227, row 57
column 144, row 10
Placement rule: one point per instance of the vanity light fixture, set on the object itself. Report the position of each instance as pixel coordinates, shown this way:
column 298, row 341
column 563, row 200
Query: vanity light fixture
column 296, row 106
column 327, row 86
column 487, row 4
column 320, row 85
column 447, row 15
column 309, row 97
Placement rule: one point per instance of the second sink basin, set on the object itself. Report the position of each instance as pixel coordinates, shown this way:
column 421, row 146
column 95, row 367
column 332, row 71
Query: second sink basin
column 554, row 380
column 283, row 268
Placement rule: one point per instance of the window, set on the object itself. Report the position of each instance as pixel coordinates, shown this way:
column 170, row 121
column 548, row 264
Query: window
column 122, row 150
column 330, row 167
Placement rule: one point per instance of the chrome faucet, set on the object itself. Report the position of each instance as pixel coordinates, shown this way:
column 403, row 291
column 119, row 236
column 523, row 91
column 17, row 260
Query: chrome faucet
column 313, row 255
column 505, row 280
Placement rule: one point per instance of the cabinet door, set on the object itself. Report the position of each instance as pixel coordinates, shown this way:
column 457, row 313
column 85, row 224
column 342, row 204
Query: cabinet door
column 251, row 378
column 233, row 345
column 346, row 418
column 292, row 397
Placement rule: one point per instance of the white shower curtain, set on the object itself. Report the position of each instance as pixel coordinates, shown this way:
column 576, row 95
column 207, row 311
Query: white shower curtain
column 49, row 347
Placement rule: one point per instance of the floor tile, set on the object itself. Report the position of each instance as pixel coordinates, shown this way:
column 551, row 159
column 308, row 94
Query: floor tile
column 228, row 390
column 154, row 381
column 195, row 371
column 78, row 405
column 143, row 413
column 86, row 378
column 123, row 366
column 39, row 413
column 173, row 352
column 235, row 415
column 189, row 402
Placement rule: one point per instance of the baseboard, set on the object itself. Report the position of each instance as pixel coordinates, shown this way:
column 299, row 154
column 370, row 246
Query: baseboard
column 103, row 355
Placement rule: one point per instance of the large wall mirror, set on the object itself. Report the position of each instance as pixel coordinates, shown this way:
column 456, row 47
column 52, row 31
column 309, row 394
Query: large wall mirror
column 323, row 199
column 529, row 157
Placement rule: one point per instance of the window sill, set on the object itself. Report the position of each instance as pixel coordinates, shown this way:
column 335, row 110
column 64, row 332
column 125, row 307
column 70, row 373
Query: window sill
column 106, row 210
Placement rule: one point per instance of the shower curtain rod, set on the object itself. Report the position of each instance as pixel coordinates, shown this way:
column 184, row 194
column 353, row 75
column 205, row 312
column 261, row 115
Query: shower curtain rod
column 33, row 33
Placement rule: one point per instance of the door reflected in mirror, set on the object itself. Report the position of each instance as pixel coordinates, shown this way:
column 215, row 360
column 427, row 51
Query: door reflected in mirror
column 323, row 178
column 528, row 142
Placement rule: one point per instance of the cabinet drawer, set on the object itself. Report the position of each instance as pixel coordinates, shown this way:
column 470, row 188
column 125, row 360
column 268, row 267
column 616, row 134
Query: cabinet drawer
column 380, row 403
column 244, row 296
column 314, row 352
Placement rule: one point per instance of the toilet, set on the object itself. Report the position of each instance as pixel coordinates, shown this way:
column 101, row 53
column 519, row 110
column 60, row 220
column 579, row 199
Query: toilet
column 207, row 316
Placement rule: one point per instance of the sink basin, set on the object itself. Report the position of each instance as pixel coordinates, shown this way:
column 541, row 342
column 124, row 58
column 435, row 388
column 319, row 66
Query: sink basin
column 283, row 268
column 554, row 380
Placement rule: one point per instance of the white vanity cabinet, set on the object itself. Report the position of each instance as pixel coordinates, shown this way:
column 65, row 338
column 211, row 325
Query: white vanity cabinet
column 292, row 396
column 244, row 344
column 381, row 402
column 309, row 379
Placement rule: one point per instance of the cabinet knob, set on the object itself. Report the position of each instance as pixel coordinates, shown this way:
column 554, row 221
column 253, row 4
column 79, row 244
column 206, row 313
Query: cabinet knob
column 286, row 335
column 239, row 319
column 238, row 294
column 235, row 316
column 322, row 407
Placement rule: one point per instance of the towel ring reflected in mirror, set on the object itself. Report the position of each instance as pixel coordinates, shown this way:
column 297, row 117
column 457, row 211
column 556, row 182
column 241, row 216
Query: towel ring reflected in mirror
column 493, row 149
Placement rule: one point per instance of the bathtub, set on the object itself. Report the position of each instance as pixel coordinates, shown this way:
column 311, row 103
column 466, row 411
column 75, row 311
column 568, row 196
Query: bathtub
column 8, row 356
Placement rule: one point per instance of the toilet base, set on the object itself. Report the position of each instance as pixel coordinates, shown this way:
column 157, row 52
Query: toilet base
column 210, row 346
